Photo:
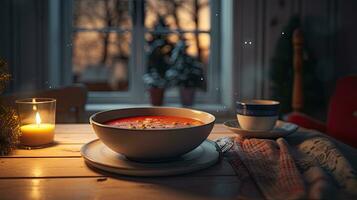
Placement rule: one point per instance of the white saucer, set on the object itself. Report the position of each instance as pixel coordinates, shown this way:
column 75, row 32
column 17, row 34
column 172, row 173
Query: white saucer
column 281, row 129
column 96, row 154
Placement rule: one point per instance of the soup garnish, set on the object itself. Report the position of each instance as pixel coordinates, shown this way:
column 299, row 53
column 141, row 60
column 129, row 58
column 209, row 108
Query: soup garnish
column 154, row 122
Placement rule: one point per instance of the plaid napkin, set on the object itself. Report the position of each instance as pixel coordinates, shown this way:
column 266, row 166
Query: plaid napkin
column 281, row 171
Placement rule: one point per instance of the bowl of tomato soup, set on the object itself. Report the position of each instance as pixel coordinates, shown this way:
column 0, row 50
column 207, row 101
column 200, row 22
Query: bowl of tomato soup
column 152, row 133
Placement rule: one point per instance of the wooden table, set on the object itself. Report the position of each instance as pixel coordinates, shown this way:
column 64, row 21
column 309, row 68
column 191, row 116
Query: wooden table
column 59, row 172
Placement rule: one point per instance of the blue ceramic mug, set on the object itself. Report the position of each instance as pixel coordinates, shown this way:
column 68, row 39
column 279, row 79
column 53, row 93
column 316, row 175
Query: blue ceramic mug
column 257, row 115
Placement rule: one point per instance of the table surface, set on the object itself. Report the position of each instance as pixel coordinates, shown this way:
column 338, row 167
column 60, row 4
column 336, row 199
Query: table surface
column 59, row 172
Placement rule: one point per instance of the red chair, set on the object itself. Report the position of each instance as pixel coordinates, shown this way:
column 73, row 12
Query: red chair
column 342, row 113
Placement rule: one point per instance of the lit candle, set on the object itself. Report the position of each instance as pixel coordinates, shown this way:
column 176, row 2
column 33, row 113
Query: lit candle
column 37, row 134
column 37, row 117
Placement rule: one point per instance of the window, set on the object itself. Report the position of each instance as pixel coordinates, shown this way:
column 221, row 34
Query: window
column 101, row 44
column 112, row 40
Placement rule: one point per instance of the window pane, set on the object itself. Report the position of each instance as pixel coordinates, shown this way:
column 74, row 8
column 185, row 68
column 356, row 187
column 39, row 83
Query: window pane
column 101, row 14
column 198, row 45
column 178, row 14
column 178, row 31
column 100, row 60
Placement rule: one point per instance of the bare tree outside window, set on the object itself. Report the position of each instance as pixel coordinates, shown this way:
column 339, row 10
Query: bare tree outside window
column 101, row 44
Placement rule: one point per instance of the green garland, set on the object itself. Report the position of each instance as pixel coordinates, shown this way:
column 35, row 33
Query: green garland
column 9, row 121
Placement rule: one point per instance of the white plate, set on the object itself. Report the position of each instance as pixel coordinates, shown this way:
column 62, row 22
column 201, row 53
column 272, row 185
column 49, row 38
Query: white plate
column 96, row 154
column 281, row 129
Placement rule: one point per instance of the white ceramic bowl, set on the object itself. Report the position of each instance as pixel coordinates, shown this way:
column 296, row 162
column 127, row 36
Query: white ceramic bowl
column 152, row 144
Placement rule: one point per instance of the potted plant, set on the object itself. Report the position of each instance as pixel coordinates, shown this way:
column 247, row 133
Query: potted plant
column 156, row 87
column 158, row 61
column 185, row 72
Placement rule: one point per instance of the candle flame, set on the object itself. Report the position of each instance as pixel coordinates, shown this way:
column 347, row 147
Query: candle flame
column 34, row 107
column 38, row 118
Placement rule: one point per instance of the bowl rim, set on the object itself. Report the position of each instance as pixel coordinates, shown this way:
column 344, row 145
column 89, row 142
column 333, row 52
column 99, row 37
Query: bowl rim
column 258, row 102
column 92, row 121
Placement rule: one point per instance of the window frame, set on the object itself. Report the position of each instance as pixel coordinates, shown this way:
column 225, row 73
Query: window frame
column 136, row 89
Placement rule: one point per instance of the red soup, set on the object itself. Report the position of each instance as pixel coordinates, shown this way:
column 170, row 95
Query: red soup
column 154, row 122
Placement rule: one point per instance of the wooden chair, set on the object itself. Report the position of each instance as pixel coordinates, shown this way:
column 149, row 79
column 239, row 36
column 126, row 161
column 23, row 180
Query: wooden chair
column 342, row 111
column 70, row 104
column 298, row 42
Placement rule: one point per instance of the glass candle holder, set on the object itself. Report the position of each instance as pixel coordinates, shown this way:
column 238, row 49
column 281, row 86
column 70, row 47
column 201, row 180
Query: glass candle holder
column 37, row 117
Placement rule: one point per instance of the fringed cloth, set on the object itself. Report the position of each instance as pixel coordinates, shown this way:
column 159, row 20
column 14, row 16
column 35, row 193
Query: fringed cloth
column 311, row 169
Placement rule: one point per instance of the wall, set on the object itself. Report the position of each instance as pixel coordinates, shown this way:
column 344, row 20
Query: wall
column 346, row 37
column 23, row 41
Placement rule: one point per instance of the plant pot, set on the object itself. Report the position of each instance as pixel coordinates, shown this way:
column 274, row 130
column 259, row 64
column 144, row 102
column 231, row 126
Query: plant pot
column 157, row 96
column 187, row 96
